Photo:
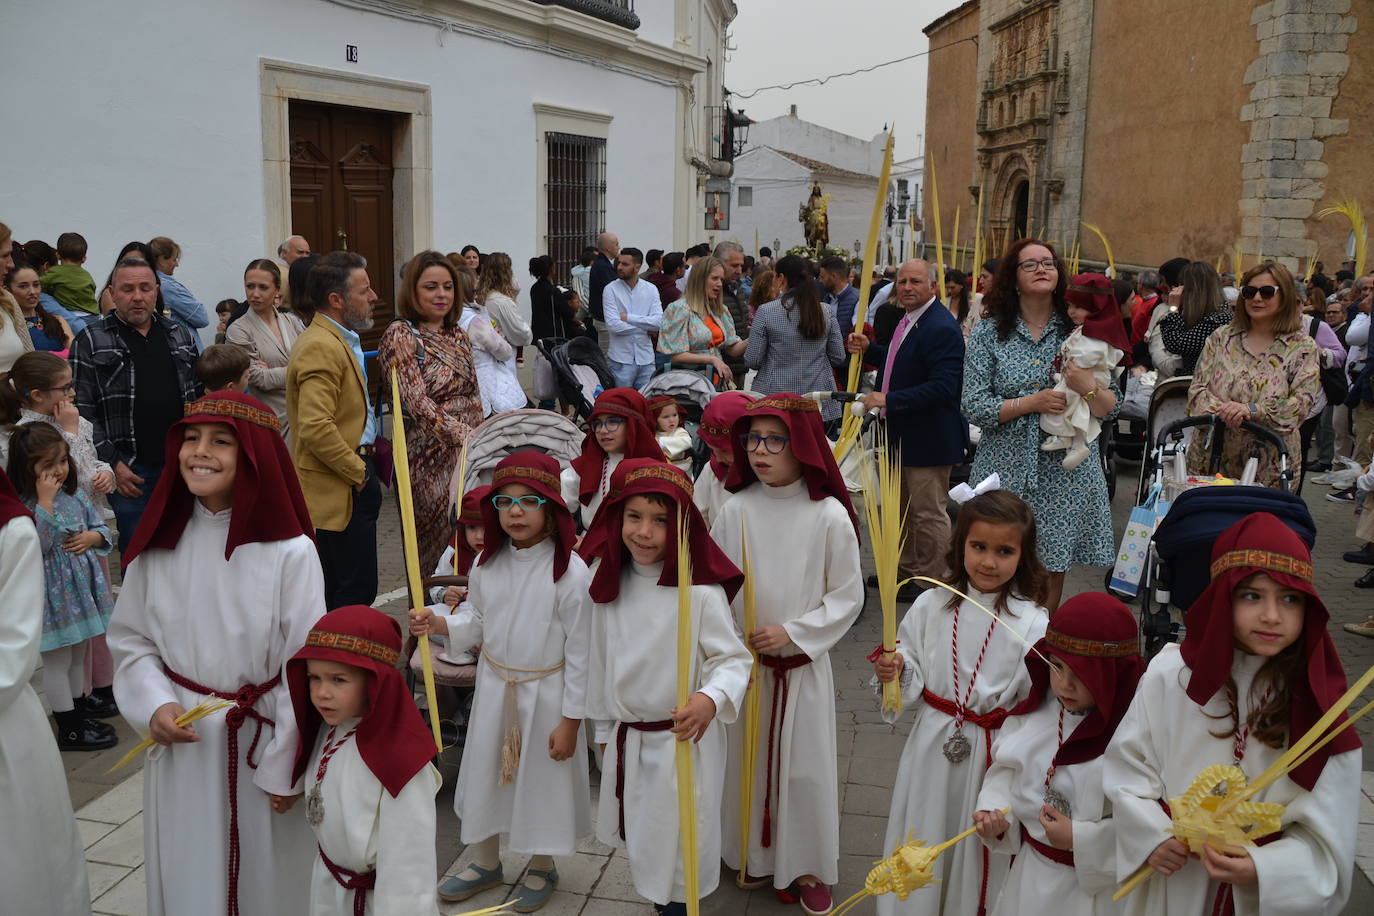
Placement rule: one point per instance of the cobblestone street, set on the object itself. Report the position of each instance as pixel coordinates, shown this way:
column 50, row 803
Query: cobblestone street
column 596, row 881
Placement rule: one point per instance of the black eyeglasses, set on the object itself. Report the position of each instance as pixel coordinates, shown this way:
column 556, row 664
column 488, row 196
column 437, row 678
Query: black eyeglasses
column 527, row 503
column 610, row 424
column 1264, row 292
column 69, row 388
column 1029, row 266
column 771, row 444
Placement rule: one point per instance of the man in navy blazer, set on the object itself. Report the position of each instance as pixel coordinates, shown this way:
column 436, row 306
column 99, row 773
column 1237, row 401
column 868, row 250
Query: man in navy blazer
column 922, row 383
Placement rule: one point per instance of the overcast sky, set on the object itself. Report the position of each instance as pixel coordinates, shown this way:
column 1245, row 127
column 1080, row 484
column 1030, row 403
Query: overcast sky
column 780, row 41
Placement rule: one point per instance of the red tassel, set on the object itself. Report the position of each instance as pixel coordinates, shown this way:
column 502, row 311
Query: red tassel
column 767, row 828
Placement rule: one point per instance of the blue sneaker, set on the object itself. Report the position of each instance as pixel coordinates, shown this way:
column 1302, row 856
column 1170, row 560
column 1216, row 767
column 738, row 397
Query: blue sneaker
column 527, row 900
column 456, row 889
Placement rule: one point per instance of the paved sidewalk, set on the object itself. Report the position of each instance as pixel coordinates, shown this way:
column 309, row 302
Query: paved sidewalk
column 596, row 880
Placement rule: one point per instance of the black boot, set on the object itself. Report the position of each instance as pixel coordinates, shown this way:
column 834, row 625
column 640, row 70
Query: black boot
column 99, row 704
column 77, row 733
column 1365, row 581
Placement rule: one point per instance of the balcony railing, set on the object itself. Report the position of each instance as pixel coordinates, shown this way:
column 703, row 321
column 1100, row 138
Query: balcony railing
column 617, row 12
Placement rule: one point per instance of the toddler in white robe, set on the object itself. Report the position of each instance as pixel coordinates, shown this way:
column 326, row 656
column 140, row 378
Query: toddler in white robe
column 524, row 770
column 618, row 427
column 671, row 435
column 632, row 685
column 236, row 550
column 1047, row 764
column 1217, row 699
column 1098, row 342
column 708, row 492
column 791, row 503
column 369, row 783
column 961, row 671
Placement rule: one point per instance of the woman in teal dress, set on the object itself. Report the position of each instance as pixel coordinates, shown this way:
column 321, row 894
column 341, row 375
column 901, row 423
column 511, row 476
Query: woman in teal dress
column 1009, row 371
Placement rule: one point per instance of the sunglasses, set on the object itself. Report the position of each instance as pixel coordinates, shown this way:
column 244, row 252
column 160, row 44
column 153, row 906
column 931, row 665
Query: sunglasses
column 527, row 503
column 1264, row 292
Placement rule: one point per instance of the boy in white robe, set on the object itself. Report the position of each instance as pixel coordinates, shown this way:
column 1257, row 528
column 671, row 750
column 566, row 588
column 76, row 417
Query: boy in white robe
column 708, row 492
column 618, row 427
column 42, row 870
column 1098, row 342
column 227, row 536
column 524, row 770
column 369, row 783
column 1219, row 698
column 961, row 672
column 1047, row 764
column 791, row 503
column 631, row 691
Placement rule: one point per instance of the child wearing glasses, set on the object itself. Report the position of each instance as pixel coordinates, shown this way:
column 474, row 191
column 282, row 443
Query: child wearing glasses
column 619, row 427
column 792, row 509
column 1098, row 343
column 524, row 770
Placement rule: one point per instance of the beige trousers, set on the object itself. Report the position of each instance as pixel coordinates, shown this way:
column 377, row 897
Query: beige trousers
column 926, row 492
column 1364, row 428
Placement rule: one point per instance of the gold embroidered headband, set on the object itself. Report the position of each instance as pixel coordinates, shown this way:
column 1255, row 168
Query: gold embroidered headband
column 1262, row 559
column 676, row 478
column 236, row 410
column 517, row 473
column 1092, row 648
column 804, row 405
column 346, row 642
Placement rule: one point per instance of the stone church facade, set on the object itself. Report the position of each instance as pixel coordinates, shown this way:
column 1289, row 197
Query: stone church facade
column 1178, row 128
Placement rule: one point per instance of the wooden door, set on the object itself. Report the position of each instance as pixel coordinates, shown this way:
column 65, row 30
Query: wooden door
column 341, row 171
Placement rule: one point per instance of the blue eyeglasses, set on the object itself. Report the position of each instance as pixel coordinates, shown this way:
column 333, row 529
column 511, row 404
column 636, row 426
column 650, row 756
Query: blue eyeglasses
column 527, row 503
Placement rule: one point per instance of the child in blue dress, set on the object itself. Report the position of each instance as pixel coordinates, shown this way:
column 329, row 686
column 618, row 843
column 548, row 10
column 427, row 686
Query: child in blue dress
column 77, row 594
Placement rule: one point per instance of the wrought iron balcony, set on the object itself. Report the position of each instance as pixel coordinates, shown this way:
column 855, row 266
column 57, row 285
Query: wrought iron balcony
column 617, row 12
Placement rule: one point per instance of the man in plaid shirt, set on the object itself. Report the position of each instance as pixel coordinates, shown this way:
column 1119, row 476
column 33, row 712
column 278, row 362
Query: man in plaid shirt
column 134, row 371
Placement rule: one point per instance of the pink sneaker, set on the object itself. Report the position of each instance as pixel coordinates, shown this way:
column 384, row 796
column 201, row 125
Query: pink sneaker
column 815, row 899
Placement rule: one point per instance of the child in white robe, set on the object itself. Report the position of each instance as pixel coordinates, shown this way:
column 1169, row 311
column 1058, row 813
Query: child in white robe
column 1047, row 764
column 962, row 673
column 222, row 584
column 618, row 427
column 791, row 503
column 631, row 692
column 708, row 492
column 1098, row 342
column 457, row 560
column 671, row 435
column 43, row 870
column 524, row 770
column 369, row 783
column 1256, row 670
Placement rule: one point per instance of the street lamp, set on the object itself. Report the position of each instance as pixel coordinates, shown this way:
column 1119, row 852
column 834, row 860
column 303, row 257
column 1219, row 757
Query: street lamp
column 858, row 247
column 777, row 246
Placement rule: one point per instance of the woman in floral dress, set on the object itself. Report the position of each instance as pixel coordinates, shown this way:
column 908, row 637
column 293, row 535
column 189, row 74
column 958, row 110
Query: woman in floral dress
column 1009, row 368
column 433, row 363
column 1262, row 367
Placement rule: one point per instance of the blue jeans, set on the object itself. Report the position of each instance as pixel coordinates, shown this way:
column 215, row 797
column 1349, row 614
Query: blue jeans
column 129, row 510
column 630, row 375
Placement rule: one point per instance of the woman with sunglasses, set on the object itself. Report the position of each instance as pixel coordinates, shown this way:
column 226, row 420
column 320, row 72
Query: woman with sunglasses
column 1009, row 378
column 1263, row 367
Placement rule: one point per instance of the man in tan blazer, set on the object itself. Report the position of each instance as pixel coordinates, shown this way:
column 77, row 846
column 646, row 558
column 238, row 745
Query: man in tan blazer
column 333, row 431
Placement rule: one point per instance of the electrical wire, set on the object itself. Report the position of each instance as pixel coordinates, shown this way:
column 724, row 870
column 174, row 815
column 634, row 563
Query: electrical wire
column 822, row 80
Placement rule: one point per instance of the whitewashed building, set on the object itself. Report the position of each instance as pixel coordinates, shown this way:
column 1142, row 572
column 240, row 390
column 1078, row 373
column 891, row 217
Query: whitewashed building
column 773, row 177
column 902, row 231
column 383, row 126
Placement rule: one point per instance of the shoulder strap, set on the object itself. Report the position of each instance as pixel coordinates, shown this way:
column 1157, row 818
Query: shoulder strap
column 1312, row 328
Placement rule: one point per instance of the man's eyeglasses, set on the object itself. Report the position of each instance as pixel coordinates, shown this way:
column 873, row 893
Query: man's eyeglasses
column 1030, row 266
column 527, row 503
column 1264, row 292
column 610, row 424
column 771, row 444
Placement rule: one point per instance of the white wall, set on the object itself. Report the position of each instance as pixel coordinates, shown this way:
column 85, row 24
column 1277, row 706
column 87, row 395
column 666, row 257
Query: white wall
column 797, row 135
column 780, row 187
column 156, row 126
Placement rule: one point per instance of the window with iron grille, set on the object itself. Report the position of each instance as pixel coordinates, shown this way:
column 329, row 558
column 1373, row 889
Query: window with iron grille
column 576, row 196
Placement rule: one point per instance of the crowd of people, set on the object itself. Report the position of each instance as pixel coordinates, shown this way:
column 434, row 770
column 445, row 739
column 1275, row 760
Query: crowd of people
column 245, row 479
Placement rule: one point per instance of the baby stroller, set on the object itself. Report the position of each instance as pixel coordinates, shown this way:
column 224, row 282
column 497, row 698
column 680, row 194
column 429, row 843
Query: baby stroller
column 692, row 391
column 1168, row 403
column 1178, row 567
column 580, row 370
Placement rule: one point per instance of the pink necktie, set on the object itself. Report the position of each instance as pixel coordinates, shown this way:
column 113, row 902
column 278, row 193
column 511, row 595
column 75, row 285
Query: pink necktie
column 898, row 335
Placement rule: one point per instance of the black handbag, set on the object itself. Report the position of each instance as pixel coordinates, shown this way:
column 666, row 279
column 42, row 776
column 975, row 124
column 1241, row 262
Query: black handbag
column 1333, row 379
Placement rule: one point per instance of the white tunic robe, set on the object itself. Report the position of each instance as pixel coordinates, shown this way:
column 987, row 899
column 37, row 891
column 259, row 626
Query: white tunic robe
column 365, row 829
column 709, row 493
column 42, row 869
column 1021, row 756
column 1164, row 741
column 806, row 559
column 932, row 798
column 570, row 484
column 223, row 625
column 1077, row 419
column 633, row 678
column 524, row 619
